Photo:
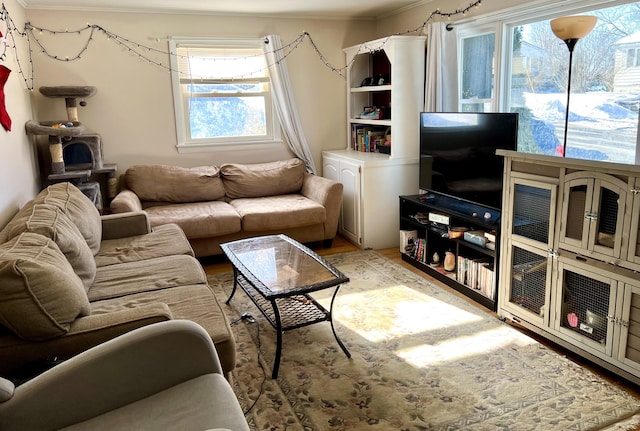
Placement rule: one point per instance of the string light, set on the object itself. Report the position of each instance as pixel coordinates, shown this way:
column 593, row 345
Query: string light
column 34, row 33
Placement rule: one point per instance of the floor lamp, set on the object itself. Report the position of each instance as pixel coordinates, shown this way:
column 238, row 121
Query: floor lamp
column 571, row 29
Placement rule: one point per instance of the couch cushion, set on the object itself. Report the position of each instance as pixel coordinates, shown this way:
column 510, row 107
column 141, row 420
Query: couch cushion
column 82, row 212
column 262, row 179
column 197, row 219
column 40, row 295
column 49, row 221
column 20, row 217
column 174, row 183
column 192, row 302
column 278, row 212
column 146, row 276
column 165, row 240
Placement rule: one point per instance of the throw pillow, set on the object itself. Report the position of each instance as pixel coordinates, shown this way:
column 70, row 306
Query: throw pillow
column 263, row 179
column 40, row 295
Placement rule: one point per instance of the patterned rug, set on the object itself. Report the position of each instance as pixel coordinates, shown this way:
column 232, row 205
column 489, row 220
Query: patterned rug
column 422, row 359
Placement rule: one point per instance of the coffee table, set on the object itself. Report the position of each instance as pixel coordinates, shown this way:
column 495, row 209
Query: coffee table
column 278, row 273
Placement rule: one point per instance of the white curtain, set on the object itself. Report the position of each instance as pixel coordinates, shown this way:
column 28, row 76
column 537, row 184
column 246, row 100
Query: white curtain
column 285, row 102
column 441, row 86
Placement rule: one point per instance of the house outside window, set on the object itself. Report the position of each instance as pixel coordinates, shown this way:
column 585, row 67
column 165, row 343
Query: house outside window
column 222, row 93
column 531, row 74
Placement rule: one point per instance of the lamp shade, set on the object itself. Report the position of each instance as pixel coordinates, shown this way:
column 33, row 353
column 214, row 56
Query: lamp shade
column 573, row 27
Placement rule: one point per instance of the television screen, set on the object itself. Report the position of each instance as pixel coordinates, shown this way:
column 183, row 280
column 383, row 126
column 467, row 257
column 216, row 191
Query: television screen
column 458, row 153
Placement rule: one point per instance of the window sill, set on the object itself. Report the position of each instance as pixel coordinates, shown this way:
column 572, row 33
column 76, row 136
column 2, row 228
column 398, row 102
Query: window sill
column 231, row 146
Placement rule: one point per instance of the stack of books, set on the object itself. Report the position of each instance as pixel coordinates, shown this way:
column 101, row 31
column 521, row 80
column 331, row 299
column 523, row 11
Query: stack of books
column 366, row 139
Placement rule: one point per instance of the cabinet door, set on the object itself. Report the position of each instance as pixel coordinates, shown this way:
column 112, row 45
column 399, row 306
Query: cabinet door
column 330, row 168
column 629, row 323
column 633, row 247
column 525, row 292
column 350, row 222
column 585, row 300
column 593, row 212
column 532, row 214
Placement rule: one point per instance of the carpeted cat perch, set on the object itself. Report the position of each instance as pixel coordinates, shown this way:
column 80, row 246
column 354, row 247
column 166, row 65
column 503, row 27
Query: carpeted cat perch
column 59, row 130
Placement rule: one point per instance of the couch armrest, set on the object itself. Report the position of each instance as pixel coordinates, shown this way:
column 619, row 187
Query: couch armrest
column 124, row 225
column 114, row 374
column 328, row 193
column 125, row 201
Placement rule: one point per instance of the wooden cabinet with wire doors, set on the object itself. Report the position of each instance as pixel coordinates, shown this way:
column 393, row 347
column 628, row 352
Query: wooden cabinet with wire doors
column 570, row 256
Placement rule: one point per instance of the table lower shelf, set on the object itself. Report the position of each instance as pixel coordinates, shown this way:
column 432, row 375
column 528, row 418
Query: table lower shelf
column 295, row 311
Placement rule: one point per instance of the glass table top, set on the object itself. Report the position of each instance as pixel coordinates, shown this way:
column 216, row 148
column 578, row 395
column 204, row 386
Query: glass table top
column 276, row 265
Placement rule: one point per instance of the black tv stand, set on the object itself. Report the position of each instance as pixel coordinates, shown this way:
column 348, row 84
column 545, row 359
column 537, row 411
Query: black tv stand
column 476, row 265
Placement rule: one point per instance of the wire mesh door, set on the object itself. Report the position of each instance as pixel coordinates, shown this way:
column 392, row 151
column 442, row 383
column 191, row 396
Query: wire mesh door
column 587, row 304
column 529, row 281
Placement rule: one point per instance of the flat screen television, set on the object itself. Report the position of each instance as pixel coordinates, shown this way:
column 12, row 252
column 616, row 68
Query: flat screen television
column 458, row 153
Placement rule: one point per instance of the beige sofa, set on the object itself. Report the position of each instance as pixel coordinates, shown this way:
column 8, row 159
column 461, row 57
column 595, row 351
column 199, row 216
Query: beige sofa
column 71, row 279
column 164, row 376
column 214, row 204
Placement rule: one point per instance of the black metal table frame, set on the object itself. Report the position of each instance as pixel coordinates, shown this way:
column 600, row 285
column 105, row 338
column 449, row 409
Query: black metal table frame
column 290, row 309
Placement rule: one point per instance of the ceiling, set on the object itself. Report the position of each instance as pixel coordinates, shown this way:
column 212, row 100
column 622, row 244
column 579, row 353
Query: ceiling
column 362, row 9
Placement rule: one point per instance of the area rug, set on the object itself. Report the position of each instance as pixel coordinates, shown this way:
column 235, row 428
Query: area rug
column 422, row 359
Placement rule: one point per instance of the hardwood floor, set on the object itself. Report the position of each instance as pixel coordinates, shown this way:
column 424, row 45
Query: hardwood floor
column 218, row 264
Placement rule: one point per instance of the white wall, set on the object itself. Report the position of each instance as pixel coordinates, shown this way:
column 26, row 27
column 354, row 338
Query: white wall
column 133, row 107
column 18, row 171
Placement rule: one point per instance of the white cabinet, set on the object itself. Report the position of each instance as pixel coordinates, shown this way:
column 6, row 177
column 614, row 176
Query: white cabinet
column 570, row 260
column 374, row 179
column 372, row 184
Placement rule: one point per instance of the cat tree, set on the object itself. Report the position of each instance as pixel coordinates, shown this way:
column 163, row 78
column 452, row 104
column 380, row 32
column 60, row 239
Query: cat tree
column 68, row 135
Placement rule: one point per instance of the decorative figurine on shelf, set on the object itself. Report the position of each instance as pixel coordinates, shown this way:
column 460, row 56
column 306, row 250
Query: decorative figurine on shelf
column 449, row 261
column 435, row 259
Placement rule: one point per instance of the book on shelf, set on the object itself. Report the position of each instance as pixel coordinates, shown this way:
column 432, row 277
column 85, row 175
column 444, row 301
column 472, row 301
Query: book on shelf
column 366, row 139
column 477, row 274
column 407, row 240
column 419, row 251
column 490, row 236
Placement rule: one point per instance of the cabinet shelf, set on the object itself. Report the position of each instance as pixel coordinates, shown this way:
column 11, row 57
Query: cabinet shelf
column 371, row 88
column 370, row 122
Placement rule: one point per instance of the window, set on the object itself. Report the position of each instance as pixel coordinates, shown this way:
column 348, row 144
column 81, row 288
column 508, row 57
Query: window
column 221, row 92
column 633, row 56
column 531, row 75
column 478, row 56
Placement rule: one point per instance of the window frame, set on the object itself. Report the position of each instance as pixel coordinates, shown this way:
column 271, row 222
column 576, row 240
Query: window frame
column 185, row 143
column 503, row 23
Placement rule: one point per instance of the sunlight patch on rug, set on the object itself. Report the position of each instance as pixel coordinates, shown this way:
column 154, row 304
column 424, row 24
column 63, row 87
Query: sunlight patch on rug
column 396, row 311
column 483, row 342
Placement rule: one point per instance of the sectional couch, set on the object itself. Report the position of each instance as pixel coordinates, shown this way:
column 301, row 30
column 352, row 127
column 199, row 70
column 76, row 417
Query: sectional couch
column 71, row 279
column 215, row 204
